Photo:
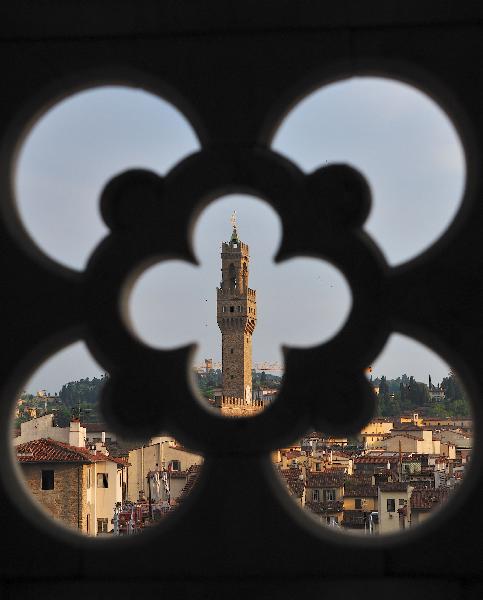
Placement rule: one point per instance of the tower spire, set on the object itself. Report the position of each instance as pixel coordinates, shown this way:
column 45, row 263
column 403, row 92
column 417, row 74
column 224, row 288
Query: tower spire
column 234, row 233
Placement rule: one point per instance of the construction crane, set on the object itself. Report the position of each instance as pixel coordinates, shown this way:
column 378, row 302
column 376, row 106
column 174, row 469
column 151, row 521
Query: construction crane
column 268, row 366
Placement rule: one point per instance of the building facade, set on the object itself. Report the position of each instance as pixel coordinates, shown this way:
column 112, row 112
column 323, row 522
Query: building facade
column 77, row 486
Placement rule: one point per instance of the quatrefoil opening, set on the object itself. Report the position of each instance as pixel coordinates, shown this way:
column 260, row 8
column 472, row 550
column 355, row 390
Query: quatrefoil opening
column 165, row 234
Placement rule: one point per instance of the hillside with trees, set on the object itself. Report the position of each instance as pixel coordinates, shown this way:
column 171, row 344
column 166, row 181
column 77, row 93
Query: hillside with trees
column 405, row 394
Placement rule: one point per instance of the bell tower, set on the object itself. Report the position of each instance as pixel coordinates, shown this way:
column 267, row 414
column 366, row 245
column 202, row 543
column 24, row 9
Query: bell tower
column 236, row 317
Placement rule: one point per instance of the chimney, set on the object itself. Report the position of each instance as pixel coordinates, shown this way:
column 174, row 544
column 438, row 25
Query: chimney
column 77, row 434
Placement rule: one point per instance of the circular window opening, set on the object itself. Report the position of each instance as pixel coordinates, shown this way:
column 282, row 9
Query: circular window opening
column 404, row 466
column 78, row 471
column 400, row 140
column 75, row 148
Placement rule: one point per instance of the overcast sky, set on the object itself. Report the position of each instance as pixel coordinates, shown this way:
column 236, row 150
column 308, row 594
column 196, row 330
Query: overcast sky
column 400, row 140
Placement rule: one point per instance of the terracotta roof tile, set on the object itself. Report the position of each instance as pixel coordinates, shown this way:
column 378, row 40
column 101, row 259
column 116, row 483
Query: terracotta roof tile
column 361, row 491
column 326, row 479
column 393, row 487
column 428, row 499
column 322, row 508
column 48, row 450
column 376, row 460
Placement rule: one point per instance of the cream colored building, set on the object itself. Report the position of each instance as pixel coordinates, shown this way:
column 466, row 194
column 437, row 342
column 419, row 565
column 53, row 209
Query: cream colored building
column 421, row 442
column 374, row 432
column 394, row 507
column 103, row 479
column 76, row 485
column 105, row 483
column 44, row 427
column 163, row 453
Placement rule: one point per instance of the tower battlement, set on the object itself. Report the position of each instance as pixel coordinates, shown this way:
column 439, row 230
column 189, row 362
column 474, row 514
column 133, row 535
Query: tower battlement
column 231, row 406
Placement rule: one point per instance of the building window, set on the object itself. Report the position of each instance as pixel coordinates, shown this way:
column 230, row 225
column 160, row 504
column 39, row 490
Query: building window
column 88, row 523
column 329, row 495
column 88, row 478
column 358, row 503
column 232, row 309
column 318, row 466
column 391, row 505
column 231, row 350
column 402, row 502
column 315, row 495
column 102, row 525
column 47, row 479
column 175, row 465
column 102, row 481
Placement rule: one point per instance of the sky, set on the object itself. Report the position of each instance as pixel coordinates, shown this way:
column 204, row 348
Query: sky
column 396, row 136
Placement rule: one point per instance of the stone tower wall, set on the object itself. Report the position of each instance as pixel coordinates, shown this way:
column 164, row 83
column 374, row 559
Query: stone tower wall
column 236, row 317
column 237, row 363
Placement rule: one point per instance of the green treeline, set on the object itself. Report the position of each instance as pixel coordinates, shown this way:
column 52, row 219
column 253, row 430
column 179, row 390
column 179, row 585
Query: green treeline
column 84, row 391
column 404, row 394
column 207, row 382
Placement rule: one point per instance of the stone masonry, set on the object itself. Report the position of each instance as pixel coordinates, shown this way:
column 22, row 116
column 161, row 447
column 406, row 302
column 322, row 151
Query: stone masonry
column 236, row 317
column 67, row 502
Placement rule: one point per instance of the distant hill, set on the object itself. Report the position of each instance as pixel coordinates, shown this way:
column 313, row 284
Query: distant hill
column 84, row 391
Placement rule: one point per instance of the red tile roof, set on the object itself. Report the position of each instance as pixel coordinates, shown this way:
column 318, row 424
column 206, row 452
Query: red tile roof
column 393, row 487
column 293, row 453
column 326, row 479
column 48, row 450
column 322, row 508
column 376, row 460
column 358, row 479
column 192, row 473
column 428, row 499
column 361, row 491
column 294, row 482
